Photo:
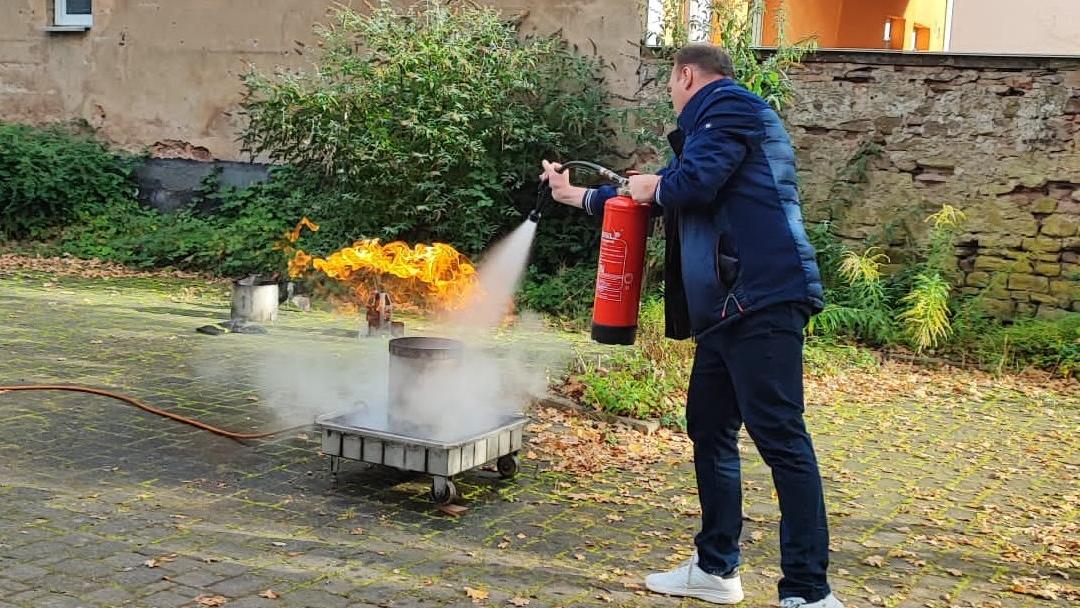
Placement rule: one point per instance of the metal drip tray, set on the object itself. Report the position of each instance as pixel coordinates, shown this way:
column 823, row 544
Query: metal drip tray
column 354, row 436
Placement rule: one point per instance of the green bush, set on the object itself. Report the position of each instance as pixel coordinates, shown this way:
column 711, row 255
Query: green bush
column 824, row 356
column 225, row 231
column 647, row 380
column 50, row 177
column 566, row 293
column 428, row 120
column 1048, row 344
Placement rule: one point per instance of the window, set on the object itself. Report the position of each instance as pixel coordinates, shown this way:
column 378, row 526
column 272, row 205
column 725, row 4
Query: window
column 690, row 18
column 74, row 13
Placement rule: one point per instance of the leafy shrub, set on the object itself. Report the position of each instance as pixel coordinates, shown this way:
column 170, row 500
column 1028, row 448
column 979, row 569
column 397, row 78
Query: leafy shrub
column 1049, row 344
column 647, row 380
column 859, row 307
column 427, row 119
column 566, row 292
column 927, row 314
column 916, row 306
column 225, row 231
column 828, row 357
column 54, row 176
column 1044, row 344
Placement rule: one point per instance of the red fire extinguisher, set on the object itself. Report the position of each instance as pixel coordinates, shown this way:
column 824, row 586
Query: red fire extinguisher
column 622, row 263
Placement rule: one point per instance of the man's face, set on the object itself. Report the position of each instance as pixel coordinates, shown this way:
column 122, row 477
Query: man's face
column 679, row 86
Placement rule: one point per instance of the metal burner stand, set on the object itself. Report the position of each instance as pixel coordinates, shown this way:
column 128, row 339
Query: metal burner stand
column 442, row 459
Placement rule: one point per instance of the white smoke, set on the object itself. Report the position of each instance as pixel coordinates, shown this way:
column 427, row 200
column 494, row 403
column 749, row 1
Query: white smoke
column 498, row 373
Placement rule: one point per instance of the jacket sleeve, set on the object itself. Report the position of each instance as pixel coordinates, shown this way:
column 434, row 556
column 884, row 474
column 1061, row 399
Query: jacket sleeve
column 596, row 198
column 711, row 155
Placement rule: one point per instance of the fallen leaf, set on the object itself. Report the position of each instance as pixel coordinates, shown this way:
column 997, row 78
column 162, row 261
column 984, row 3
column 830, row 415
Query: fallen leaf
column 1043, row 589
column 211, row 600
column 453, row 510
column 476, row 595
column 579, row 556
column 613, row 517
column 518, row 601
column 269, row 594
column 954, row 572
column 356, row 531
column 874, row 560
column 157, row 561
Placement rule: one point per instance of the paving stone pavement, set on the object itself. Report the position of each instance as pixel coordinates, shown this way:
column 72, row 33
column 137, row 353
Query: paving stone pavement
column 104, row 505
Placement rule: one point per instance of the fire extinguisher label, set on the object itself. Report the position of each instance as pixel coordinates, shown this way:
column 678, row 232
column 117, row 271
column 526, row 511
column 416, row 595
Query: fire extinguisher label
column 611, row 279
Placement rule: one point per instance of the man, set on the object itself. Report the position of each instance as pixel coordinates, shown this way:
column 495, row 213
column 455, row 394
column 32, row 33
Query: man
column 741, row 279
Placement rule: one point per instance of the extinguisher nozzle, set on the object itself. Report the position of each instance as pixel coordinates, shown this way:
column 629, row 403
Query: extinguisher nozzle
column 534, row 216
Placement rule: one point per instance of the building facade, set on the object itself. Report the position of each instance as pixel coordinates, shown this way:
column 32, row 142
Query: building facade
column 166, row 75
column 995, row 27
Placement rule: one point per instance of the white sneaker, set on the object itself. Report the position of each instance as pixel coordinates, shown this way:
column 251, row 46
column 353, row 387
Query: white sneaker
column 690, row 581
column 830, row 601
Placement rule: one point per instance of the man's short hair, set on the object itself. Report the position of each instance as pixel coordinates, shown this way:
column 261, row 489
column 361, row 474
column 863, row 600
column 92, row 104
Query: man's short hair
column 707, row 58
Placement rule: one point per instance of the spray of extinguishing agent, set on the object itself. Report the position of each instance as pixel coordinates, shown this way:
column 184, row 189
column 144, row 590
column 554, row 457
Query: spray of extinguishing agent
column 622, row 258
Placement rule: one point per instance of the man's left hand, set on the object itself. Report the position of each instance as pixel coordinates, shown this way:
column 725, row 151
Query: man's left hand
column 643, row 187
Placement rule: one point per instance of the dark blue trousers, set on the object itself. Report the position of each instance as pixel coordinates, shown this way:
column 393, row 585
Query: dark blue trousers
column 750, row 372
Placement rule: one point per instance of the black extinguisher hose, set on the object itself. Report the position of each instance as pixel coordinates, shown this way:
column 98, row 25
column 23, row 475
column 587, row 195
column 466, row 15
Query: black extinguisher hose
column 543, row 194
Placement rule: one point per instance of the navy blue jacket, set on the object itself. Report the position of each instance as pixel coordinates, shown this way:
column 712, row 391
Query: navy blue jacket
column 735, row 236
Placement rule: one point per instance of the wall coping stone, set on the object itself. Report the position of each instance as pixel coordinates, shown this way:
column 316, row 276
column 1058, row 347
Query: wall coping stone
column 955, row 60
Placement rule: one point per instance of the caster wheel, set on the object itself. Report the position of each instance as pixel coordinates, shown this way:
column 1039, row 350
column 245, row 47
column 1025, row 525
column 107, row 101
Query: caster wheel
column 443, row 491
column 508, row 465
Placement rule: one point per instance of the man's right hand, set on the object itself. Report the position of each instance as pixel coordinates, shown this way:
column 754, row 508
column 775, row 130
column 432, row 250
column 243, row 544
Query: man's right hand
column 561, row 190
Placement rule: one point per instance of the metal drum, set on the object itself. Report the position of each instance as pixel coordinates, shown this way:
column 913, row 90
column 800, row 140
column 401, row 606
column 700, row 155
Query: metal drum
column 255, row 300
column 423, row 373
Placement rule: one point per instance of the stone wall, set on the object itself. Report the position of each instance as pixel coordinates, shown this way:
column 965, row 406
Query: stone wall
column 994, row 136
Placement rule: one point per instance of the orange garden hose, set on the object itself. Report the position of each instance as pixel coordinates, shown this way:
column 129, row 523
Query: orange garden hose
column 142, row 406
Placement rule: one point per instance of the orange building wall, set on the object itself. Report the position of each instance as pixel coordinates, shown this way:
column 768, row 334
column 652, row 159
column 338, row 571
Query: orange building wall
column 853, row 23
column 862, row 23
column 819, row 19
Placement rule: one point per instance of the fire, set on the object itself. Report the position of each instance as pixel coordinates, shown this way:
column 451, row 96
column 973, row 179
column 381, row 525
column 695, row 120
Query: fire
column 431, row 276
column 304, row 223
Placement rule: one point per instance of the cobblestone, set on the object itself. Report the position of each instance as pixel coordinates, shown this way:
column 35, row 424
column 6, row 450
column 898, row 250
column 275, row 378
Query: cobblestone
column 91, row 490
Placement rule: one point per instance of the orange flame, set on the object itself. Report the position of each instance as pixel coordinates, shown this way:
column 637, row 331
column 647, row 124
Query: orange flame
column 304, row 223
column 430, row 276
